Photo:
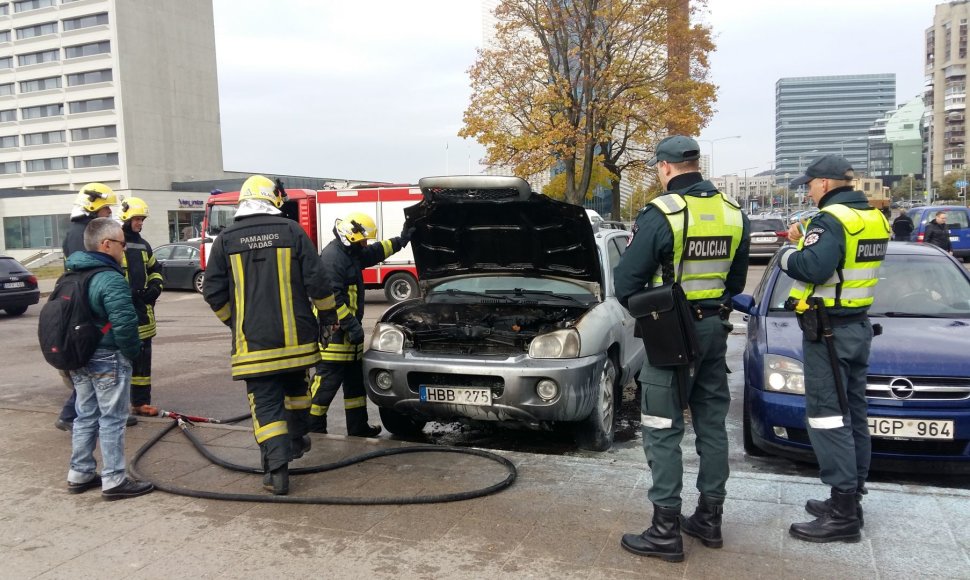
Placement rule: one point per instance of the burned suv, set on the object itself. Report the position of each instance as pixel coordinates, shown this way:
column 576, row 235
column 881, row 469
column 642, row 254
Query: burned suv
column 517, row 323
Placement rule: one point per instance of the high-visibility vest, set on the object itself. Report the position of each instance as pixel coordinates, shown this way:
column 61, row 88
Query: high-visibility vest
column 853, row 285
column 714, row 230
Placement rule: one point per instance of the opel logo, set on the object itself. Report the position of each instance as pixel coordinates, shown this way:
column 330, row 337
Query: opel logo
column 901, row 388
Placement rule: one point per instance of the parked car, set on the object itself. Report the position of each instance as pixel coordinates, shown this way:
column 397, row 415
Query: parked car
column 767, row 235
column 957, row 221
column 919, row 372
column 802, row 215
column 180, row 266
column 517, row 323
column 18, row 287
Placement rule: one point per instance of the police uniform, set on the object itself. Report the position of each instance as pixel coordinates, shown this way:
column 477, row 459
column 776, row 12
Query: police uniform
column 837, row 261
column 144, row 275
column 342, row 357
column 715, row 264
column 263, row 280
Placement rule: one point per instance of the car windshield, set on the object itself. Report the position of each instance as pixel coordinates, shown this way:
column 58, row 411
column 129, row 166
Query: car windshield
column 916, row 286
column 220, row 216
column 514, row 287
column 770, row 225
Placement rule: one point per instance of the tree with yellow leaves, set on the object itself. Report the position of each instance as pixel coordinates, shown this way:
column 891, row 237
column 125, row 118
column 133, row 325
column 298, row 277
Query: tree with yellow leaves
column 568, row 81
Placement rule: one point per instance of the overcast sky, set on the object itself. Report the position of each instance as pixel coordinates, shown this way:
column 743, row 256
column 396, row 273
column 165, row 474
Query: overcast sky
column 375, row 89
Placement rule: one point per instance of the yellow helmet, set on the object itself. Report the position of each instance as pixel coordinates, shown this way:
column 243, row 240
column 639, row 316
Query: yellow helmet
column 95, row 196
column 259, row 187
column 356, row 227
column 133, row 207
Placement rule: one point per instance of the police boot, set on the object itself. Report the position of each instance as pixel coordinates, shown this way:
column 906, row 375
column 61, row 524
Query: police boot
column 661, row 540
column 818, row 508
column 841, row 524
column 705, row 524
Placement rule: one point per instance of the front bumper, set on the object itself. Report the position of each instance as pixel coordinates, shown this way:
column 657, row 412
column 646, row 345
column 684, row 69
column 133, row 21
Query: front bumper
column 512, row 381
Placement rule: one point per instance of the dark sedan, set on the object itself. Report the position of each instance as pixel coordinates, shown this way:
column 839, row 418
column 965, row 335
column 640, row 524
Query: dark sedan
column 919, row 372
column 767, row 235
column 180, row 266
column 18, row 287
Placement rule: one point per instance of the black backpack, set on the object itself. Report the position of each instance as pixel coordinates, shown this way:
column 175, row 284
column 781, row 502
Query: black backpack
column 67, row 331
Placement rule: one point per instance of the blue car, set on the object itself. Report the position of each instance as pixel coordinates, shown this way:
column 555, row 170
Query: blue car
column 957, row 221
column 919, row 368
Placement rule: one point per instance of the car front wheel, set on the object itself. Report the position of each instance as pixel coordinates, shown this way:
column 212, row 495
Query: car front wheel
column 400, row 424
column 748, row 437
column 595, row 433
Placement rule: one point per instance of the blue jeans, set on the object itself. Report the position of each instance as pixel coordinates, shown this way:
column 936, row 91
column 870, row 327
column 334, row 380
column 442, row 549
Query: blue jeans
column 103, row 388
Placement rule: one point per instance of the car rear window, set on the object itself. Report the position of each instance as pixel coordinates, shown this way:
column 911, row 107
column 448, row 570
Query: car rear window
column 767, row 225
column 10, row 266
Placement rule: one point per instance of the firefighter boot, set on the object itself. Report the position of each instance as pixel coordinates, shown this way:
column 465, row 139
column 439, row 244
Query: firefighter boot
column 841, row 524
column 317, row 424
column 818, row 508
column 705, row 524
column 662, row 540
column 299, row 446
column 278, row 480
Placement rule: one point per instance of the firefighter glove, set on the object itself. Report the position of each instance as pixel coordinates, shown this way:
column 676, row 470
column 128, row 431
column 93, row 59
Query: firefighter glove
column 150, row 295
column 355, row 333
column 406, row 234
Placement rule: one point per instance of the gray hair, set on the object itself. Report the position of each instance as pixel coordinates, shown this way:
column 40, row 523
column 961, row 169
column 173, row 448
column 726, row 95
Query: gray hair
column 101, row 229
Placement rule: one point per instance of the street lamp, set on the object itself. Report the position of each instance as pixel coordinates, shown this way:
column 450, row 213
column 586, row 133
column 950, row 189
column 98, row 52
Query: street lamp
column 747, row 194
column 911, row 179
column 712, row 142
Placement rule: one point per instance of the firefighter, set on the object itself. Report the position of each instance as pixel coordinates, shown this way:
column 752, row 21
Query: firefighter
column 263, row 280
column 145, row 278
column 345, row 258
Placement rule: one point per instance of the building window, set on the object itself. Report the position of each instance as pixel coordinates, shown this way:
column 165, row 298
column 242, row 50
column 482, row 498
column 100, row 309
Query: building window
column 9, row 142
column 99, row 160
column 6, row 89
column 9, row 167
column 40, row 84
column 4, row 9
column 51, row 164
column 38, row 57
column 4, row 36
column 85, row 21
column 45, row 138
column 184, row 224
column 36, row 30
column 92, row 105
column 87, row 49
column 25, row 5
column 89, row 133
column 8, row 115
column 87, row 78
column 41, row 111
column 6, row 62
column 39, row 231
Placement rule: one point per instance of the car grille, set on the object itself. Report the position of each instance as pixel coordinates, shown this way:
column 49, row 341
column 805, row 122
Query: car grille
column 496, row 384
column 918, row 388
column 899, row 446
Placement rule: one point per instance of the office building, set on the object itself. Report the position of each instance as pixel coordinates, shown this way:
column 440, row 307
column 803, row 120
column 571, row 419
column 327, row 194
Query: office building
column 945, row 88
column 828, row 114
column 895, row 143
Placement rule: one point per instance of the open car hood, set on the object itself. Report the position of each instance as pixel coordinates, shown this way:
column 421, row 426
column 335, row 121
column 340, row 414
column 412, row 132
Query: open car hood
column 497, row 225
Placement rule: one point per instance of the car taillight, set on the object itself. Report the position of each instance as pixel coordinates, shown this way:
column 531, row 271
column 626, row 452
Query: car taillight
column 783, row 234
column 919, row 238
column 32, row 280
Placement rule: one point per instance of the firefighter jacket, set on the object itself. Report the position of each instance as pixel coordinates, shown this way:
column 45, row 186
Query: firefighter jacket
column 263, row 280
column 74, row 240
column 345, row 267
column 144, row 275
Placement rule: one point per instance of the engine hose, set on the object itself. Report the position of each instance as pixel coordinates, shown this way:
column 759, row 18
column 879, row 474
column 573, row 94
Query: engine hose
column 421, row 499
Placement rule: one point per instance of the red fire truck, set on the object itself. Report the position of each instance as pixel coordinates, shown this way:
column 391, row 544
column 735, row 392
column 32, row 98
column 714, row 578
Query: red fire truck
column 317, row 211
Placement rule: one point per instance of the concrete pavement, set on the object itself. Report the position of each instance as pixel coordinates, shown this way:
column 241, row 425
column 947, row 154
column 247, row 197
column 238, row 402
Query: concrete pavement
column 561, row 519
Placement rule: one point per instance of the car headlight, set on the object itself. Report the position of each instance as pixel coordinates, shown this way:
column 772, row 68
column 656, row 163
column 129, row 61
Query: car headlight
column 784, row 375
column 556, row 344
column 387, row 338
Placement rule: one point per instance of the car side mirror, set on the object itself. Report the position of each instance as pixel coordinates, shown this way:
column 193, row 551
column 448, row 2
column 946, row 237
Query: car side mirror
column 743, row 303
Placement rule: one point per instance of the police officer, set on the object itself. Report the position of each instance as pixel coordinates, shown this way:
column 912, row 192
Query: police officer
column 710, row 274
column 345, row 258
column 837, row 262
column 263, row 279
column 145, row 278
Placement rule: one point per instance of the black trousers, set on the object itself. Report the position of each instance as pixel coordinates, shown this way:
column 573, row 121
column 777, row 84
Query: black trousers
column 329, row 377
column 279, row 405
column 141, row 376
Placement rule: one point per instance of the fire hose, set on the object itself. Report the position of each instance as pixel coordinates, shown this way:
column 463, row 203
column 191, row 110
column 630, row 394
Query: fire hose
column 186, row 422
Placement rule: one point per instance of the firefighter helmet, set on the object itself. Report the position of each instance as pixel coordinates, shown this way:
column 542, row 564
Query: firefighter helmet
column 260, row 187
column 133, row 207
column 356, row 227
column 95, row 196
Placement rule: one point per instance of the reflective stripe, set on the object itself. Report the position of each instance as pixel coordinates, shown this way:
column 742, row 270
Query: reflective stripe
column 274, row 353
column 355, row 402
column 274, row 429
column 341, row 347
column 860, row 274
column 239, row 278
column 332, row 357
column 141, row 381
column 352, row 298
column 785, row 256
column 655, row 422
column 318, row 410
column 244, row 370
column 702, row 284
column 847, row 293
column 327, row 303
column 223, row 313
column 296, row 403
column 833, row 422
column 388, row 247
column 283, row 273
column 707, row 267
column 314, row 386
column 343, row 312
column 155, row 276
column 670, row 203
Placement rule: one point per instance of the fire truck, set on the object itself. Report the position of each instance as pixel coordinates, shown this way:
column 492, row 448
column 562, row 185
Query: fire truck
column 317, row 211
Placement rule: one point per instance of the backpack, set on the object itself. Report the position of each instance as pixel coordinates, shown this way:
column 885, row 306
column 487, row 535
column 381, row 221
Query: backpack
column 67, row 331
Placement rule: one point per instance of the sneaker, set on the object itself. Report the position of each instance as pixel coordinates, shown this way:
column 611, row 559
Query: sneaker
column 126, row 489
column 64, row 425
column 83, row 487
column 144, row 410
column 131, row 421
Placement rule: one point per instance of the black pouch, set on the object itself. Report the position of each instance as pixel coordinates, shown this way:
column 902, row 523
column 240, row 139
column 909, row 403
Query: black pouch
column 810, row 324
column 665, row 322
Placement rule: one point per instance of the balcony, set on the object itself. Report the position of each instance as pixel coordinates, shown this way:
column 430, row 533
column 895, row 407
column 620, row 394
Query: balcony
column 956, row 70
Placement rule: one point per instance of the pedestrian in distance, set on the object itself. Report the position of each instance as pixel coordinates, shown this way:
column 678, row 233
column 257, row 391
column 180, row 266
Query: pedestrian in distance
column 836, row 268
column 102, row 385
column 669, row 243
column 144, row 275
column 93, row 201
column 263, row 280
column 902, row 227
column 937, row 233
column 345, row 258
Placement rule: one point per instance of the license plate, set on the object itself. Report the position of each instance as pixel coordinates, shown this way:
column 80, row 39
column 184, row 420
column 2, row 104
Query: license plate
column 910, row 428
column 456, row 395
column 954, row 238
column 764, row 240
column 14, row 284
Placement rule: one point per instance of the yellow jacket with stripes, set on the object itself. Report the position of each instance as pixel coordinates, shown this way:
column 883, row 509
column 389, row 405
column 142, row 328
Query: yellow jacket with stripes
column 263, row 279
column 142, row 272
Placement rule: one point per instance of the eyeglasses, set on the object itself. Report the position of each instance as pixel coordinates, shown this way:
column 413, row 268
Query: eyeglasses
column 122, row 242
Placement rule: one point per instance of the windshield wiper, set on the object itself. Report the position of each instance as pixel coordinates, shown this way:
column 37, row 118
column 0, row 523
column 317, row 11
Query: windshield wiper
column 892, row 314
column 457, row 292
column 550, row 293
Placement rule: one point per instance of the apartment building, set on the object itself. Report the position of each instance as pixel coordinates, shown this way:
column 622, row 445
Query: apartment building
column 945, row 89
